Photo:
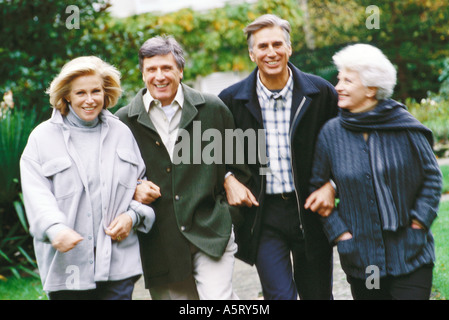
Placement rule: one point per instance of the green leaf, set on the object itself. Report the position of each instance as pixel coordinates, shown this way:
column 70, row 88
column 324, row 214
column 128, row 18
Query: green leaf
column 21, row 214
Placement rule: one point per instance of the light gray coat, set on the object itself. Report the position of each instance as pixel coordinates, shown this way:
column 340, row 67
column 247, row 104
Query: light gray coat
column 56, row 193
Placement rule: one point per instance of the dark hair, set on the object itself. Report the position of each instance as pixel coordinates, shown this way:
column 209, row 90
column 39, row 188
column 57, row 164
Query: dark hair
column 159, row 46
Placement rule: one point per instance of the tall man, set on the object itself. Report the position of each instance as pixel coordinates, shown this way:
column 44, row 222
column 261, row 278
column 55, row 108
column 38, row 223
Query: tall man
column 291, row 106
column 189, row 253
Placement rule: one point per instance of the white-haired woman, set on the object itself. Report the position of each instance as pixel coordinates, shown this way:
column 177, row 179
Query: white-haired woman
column 79, row 171
column 388, row 181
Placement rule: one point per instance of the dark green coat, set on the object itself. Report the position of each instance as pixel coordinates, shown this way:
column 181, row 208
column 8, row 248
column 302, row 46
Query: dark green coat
column 193, row 207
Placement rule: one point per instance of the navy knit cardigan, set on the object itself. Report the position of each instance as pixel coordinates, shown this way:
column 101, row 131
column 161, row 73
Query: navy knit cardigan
column 414, row 182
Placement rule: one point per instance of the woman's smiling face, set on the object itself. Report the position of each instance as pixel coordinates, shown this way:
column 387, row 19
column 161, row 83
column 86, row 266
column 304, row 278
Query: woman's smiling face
column 352, row 94
column 87, row 96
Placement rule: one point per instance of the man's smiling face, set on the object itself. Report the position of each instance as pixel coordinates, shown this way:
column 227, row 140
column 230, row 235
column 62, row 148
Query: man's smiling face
column 162, row 77
column 270, row 51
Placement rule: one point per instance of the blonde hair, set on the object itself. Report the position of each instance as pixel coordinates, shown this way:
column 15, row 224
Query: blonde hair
column 373, row 67
column 89, row 65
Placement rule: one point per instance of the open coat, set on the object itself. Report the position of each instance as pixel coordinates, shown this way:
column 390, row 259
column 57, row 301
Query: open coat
column 192, row 208
column 314, row 102
column 55, row 192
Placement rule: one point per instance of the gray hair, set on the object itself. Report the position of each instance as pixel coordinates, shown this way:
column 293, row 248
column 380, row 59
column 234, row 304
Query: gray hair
column 267, row 20
column 159, row 46
column 373, row 67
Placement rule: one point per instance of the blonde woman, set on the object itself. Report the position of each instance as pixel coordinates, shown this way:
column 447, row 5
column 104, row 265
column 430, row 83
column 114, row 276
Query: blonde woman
column 79, row 171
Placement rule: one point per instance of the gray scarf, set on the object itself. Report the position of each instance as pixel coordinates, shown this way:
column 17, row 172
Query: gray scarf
column 388, row 115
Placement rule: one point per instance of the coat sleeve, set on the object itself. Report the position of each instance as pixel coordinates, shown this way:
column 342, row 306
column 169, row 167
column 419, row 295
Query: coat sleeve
column 40, row 203
column 142, row 215
column 333, row 225
column 428, row 198
column 234, row 165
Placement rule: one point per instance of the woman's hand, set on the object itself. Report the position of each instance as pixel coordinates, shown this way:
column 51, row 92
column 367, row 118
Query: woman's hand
column 417, row 225
column 66, row 240
column 344, row 236
column 120, row 227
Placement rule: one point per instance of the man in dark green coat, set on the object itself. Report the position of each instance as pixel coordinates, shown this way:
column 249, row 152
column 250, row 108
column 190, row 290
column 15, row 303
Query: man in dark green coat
column 189, row 253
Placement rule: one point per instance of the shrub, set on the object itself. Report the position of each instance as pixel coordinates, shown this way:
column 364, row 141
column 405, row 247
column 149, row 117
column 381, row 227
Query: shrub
column 433, row 112
column 15, row 241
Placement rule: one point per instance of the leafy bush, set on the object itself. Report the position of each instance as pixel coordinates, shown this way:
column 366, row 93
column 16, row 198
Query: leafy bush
column 444, row 79
column 15, row 241
column 433, row 112
column 15, row 127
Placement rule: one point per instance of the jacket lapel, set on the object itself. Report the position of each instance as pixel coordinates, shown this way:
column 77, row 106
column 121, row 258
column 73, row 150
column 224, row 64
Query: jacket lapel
column 138, row 109
column 248, row 93
column 302, row 90
column 192, row 98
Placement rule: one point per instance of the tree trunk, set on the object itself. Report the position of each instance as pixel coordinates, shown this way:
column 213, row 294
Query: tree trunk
column 307, row 28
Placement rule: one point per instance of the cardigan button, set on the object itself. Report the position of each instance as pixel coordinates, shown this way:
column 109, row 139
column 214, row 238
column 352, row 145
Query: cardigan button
column 168, row 169
column 177, row 197
column 158, row 143
column 183, row 228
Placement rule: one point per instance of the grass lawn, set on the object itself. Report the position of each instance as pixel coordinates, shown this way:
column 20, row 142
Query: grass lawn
column 21, row 289
column 445, row 171
column 440, row 229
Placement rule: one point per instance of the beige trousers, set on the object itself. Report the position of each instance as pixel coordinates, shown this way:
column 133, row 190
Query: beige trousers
column 211, row 278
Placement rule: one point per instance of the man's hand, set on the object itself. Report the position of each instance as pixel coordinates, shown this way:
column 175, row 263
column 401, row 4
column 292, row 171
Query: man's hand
column 238, row 194
column 147, row 192
column 66, row 240
column 120, row 227
column 322, row 200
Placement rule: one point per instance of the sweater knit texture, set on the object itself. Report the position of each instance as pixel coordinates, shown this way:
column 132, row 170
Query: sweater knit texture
column 407, row 173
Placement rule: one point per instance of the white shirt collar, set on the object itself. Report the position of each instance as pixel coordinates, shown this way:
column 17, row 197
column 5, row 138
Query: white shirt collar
column 179, row 98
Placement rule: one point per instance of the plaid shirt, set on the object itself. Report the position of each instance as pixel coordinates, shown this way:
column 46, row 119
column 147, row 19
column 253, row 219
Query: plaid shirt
column 276, row 107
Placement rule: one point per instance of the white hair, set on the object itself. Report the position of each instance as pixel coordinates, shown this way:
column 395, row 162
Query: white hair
column 373, row 67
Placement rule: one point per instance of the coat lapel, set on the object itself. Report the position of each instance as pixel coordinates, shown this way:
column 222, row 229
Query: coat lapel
column 248, row 93
column 138, row 109
column 192, row 98
column 302, row 90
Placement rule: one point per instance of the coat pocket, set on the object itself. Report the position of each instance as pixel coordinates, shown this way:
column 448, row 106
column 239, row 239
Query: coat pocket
column 415, row 242
column 349, row 255
column 127, row 168
column 62, row 175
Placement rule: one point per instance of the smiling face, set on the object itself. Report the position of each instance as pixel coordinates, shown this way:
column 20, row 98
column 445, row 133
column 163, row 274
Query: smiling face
column 87, row 96
column 271, row 53
column 162, row 77
column 352, row 94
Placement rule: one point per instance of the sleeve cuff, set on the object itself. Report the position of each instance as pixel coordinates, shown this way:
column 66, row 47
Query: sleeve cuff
column 144, row 216
column 333, row 226
column 53, row 231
